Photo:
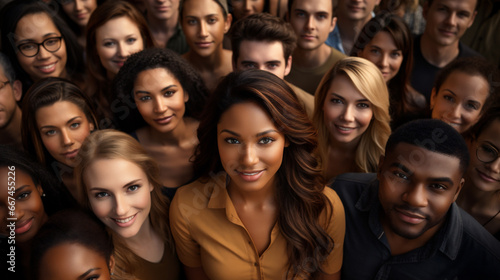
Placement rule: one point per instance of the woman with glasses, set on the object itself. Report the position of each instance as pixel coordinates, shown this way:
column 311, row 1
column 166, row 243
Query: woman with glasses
column 42, row 43
column 480, row 195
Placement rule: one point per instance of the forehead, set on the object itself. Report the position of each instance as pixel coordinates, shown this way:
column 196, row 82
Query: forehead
column 492, row 133
column 261, row 51
column 35, row 25
column 59, row 112
column 313, row 5
column 201, row 7
column 112, row 174
column 467, row 86
column 466, row 5
column 118, row 26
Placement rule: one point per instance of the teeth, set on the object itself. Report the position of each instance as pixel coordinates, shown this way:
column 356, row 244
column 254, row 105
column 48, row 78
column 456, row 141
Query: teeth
column 344, row 128
column 125, row 220
column 250, row 174
column 47, row 67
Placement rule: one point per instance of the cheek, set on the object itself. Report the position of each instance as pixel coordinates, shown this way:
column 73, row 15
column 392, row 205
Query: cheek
column 100, row 208
column 365, row 117
column 25, row 62
column 51, row 144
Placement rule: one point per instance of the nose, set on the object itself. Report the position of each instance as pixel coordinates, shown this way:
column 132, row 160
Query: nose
column 451, row 19
column 348, row 114
column 78, row 5
column 159, row 105
column 203, row 29
column 121, row 206
column 455, row 112
column 495, row 166
column 384, row 62
column 415, row 196
column 43, row 53
column 248, row 5
column 66, row 138
column 249, row 155
column 310, row 23
column 122, row 50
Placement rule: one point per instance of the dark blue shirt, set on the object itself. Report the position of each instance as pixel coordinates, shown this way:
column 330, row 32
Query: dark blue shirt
column 461, row 249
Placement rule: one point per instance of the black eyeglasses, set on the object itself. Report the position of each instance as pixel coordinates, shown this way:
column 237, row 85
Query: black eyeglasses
column 486, row 153
column 31, row 49
column 3, row 84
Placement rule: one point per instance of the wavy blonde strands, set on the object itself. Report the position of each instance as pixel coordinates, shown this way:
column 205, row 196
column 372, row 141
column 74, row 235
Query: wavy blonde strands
column 111, row 144
column 369, row 81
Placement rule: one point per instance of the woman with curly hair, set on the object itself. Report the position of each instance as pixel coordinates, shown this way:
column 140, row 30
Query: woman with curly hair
column 118, row 181
column 169, row 96
column 351, row 113
column 260, row 208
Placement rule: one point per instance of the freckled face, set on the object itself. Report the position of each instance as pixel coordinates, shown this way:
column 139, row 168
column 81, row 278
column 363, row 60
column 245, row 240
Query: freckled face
column 382, row 51
column 116, row 40
column 63, row 127
column 29, row 209
column 250, row 147
column 38, row 28
column 460, row 100
column 416, row 189
column 347, row 113
column 72, row 261
column 160, row 99
column 119, row 193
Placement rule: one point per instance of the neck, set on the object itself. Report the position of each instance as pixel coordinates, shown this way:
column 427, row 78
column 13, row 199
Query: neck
column 11, row 134
column 438, row 55
column 145, row 233
column 263, row 196
column 349, row 28
column 172, row 138
column 207, row 63
column 306, row 58
column 162, row 25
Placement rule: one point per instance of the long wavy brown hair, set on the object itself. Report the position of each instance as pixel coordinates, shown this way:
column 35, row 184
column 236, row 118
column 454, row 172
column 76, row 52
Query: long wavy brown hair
column 299, row 187
column 112, row 144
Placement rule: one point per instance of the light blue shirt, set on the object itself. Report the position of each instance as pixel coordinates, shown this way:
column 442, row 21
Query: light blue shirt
column 334, row 40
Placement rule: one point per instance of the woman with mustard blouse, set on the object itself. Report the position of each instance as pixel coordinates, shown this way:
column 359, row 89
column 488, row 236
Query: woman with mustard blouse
column 260, row 209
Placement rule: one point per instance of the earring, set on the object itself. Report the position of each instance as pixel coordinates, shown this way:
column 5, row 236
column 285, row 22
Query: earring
column 43, row 195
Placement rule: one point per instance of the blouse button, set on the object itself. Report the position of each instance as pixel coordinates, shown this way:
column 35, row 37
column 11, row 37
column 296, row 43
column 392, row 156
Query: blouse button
column 256, row 264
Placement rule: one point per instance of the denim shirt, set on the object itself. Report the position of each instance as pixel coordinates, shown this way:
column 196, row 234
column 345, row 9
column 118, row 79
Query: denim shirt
column 461, row 249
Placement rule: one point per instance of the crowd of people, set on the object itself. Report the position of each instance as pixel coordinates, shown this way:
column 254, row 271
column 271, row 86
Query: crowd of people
column 249, row 139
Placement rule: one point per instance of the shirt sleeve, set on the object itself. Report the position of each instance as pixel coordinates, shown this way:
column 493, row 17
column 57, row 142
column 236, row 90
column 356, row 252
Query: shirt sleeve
column 187, row 248
column 335, row 227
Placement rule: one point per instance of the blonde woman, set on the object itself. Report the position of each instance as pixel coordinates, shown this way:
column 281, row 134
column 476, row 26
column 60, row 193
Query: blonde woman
column 119, row 182
column 352, row 117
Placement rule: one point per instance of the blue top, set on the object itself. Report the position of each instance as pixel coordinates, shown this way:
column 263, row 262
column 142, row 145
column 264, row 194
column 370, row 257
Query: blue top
column 461, row 249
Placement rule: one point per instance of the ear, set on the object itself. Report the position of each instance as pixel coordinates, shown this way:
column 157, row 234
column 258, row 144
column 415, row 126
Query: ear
column 472, row 19
column 186, row 96
column 334, row 22
column 39, row 189
column 287, row 142
column 151, row 188
column 288, row 67
column 459, row 188
column 91, row 126
column 227, row 24
column 17, row 87
column 111, row 264
column 433, row 98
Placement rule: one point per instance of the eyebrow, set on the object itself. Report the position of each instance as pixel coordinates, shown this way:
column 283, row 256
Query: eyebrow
column 21, row 188
column 401, row 166
column 340, row 97
column 133, row 182
column 88, row 272
column 162, row 90
column 31, row 40
column 258, row 134
column 69, row 121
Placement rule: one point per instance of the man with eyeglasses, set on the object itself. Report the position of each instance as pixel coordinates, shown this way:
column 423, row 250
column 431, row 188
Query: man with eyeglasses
column 10, row 113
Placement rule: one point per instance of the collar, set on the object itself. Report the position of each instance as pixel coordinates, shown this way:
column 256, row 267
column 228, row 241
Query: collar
column 219, row 197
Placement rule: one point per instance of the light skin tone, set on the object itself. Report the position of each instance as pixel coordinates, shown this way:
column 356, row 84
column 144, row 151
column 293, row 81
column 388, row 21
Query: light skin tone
column 170, row 138
column 116, row 40
column 480, row 196
column 417, row 187
column 263, row 55
column 244, row 8
column 10, row 113
column 348, row 114
column 312, row 21
column 79, row 11
column 29, row 209
column 204, row 26
column 352, row 16
column 74, row 261
column 63, row 127
column 162, row 17
column 460, row 100
column 447, row 21
column 384, row 53
column 36, row 28
column 119, row 193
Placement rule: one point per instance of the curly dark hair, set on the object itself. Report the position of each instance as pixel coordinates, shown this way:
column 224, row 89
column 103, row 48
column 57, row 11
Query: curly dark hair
column 299, row 184
column 128, row 118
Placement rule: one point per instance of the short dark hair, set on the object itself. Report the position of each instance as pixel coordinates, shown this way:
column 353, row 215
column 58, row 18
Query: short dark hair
column 433, row 135
column 290, row 3
column 263, row 27
column 473, row 66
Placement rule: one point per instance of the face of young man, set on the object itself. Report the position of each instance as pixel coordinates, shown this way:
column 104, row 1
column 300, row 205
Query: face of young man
column 447, row 20
column 356, row 10
column 417, row 187
column 312, row 21
column 263, row 55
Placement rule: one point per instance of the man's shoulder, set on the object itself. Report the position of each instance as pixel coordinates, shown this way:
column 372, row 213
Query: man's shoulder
column 466, row 51
column 476, row 236
column 350, row 186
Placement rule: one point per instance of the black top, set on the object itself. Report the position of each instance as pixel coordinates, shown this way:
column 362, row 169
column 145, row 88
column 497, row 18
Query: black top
column 461, row 249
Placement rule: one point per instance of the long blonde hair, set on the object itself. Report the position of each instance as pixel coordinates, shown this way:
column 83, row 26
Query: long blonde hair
column 367, row 78
column 112, row 144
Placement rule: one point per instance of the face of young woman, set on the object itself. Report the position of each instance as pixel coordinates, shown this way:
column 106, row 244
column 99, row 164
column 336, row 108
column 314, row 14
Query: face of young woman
column 347, row 113
column 243, row 8
column 460, row 100
column 72, row 261
column 38, row 28
column 204, row 26
column 116, row 40
column 63, row 127
column 486, row 175
column 79, row 11
column 382, row 51
column 160, row 99
column 250, row 147
column 119, row 193
column 29, row 209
